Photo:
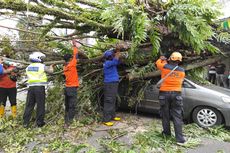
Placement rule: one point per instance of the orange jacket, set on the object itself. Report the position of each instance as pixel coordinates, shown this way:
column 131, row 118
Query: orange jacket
column 174, row 81
column 70, row 71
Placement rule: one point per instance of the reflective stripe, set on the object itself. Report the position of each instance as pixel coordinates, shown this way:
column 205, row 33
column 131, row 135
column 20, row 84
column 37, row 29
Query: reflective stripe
column 212, row 72
column 36, row 74
column 38, row 84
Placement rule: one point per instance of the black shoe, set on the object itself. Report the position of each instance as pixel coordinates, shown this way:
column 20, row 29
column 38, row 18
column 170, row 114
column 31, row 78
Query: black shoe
column 26, row 126
column 41, row 124
column 182, row 143
column 66, row 126
column 166, row 134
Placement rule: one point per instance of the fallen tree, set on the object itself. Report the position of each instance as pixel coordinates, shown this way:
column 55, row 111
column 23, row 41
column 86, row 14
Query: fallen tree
column 142, row 29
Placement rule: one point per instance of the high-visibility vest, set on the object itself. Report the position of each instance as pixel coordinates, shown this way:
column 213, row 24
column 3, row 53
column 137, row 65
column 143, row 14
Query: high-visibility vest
column 36, row 74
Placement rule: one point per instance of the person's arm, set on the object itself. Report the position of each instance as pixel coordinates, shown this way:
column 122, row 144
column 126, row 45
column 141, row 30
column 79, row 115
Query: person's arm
column 73, row 62
column 49, row 69
column 4, row 71
column 1, row 69
column 161, row 62
column 113, row 62
column 117, row 54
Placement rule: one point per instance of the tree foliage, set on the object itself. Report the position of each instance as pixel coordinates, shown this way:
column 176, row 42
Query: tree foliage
column 137, row 22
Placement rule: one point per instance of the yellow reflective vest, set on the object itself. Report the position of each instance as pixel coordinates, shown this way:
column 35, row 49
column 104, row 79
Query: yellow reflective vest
column 36, row 74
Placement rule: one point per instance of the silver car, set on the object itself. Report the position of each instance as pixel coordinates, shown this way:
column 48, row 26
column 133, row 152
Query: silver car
column 206, row 106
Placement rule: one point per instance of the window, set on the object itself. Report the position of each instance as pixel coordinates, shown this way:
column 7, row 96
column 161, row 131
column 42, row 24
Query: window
column 187, row 85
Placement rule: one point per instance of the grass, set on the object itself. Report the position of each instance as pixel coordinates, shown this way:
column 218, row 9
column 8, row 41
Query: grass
column 54, row 138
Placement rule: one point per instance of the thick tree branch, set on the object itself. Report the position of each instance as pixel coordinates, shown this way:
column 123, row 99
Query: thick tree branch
column 186, row 67
column 20, row 6
column 88, row 3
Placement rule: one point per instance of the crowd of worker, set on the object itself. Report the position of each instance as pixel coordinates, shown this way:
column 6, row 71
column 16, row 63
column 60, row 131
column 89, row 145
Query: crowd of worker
column 171, row 101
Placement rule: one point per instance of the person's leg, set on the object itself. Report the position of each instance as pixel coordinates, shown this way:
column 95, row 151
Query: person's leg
column 218, row 81
column 177, row 115
column 30, row 103
column 165, row 112
column 40, row 100
column 214, row 79
column 3, row 98
column 209, row 77
column 115, row 92
column 109, row 102
column 229, row 83
column 72, row 99
column 66, row 107
column 223, row 80
column 13, row 101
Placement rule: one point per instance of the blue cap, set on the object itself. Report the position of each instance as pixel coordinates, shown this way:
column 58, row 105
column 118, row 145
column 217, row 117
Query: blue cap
column 108, row 53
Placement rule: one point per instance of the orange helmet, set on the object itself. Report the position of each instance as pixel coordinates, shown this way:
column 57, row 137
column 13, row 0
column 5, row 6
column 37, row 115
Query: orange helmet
column 176, row 56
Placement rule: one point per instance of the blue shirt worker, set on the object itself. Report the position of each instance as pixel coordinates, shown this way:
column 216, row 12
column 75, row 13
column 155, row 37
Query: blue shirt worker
column 111, row 81
column 37, row 80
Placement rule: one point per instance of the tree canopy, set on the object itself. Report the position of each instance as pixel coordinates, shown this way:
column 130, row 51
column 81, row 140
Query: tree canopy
column 189, row 24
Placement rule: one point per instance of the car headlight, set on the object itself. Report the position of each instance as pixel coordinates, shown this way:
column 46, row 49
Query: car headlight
column 226, row 99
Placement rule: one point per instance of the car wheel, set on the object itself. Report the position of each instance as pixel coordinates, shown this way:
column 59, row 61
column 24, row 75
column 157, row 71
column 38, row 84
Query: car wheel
column 206, row 116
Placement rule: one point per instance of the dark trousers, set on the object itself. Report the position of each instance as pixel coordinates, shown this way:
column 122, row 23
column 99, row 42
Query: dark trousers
column 35, row 95
column 171, row 105
column 212, row 78
column 110, row 93
column 220, row 79
column 8, row 92
column 70, row 103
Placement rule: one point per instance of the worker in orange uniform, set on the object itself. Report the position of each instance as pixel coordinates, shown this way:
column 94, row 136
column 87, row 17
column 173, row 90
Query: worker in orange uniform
column 171, row 101
column 8, row 89
column 71, row 84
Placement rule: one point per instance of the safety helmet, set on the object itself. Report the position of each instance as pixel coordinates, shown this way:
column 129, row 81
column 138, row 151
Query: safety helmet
column 37, row 57
column 108, row 53
column 176, row 56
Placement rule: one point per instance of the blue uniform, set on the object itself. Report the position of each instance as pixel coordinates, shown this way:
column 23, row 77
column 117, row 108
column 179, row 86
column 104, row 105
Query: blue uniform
column 111, row 79
column 1, row 69
column 110, row 70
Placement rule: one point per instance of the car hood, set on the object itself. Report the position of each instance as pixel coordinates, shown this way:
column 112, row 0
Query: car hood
column 215, row 90
column 212, row 89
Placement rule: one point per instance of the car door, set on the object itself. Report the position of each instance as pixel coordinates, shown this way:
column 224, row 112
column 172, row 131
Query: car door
column 151, row 93
column 150, row 100
column 187, row 89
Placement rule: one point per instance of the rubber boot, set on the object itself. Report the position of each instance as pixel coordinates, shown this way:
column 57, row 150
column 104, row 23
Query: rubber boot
column 14, row 111
column 108, row 123
column 2, row 111
column 116, row 118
